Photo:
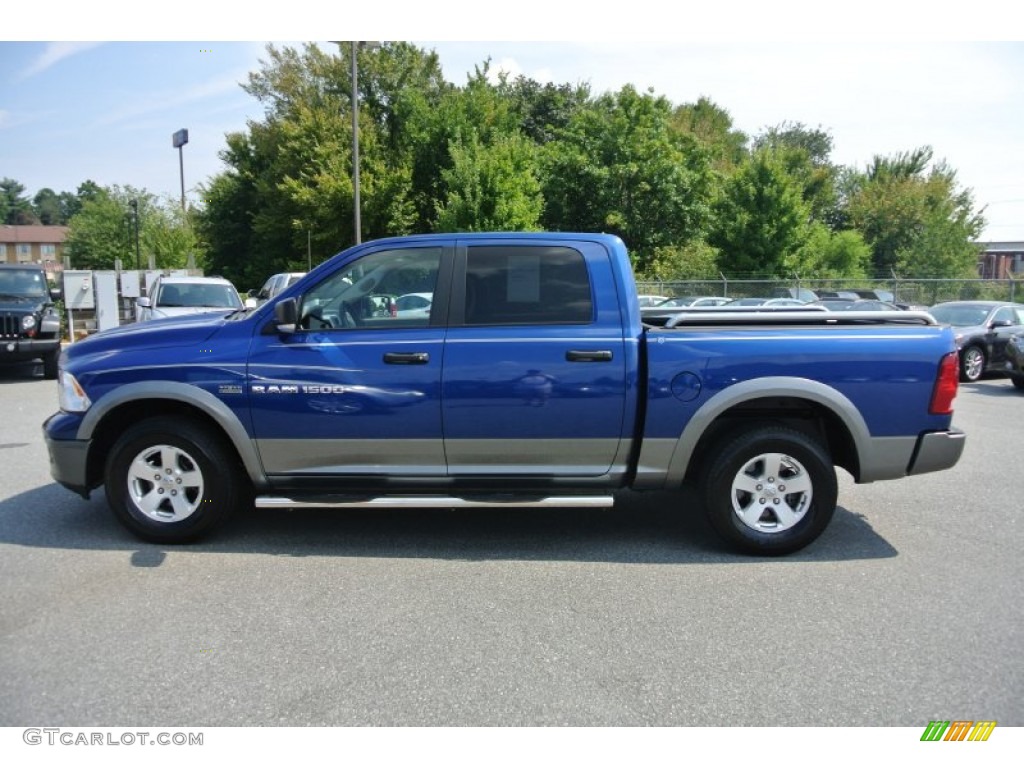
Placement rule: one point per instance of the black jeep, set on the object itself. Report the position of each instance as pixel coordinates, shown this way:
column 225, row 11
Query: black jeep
column 29, row 322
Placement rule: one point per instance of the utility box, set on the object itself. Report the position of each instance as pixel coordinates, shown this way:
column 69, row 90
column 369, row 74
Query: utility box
column 78, row 289
column 130, row 287
column 151, row 276
column 108, row 313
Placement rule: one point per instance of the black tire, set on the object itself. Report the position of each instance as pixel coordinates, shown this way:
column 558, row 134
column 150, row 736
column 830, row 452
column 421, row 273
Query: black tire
column 50, row 361
column 972, row 363
column 199, row 482
column 758, row 461
column 1018, row 382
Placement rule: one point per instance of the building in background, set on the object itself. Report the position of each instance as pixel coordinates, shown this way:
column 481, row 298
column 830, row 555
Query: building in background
column 998, row 261
column 34, row 244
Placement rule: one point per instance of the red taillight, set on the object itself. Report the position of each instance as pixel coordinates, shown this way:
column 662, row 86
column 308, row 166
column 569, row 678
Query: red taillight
column 393, row 309
column 946, row 384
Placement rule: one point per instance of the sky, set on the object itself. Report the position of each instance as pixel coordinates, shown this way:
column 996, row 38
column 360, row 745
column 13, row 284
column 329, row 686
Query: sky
column 882, row 81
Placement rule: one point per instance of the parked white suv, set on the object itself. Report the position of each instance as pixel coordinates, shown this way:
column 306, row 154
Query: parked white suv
column 176, row 296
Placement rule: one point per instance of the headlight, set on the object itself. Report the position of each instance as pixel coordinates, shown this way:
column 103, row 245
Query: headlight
column 28, row 322
column 72, row 397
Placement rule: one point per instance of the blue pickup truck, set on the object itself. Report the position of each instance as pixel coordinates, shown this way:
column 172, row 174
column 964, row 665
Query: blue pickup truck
column 531, row 381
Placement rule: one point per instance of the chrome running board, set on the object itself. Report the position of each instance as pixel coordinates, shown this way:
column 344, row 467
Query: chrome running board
column 432, row 502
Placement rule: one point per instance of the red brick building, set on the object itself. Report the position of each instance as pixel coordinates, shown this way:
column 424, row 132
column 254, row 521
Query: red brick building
column 1001, row 260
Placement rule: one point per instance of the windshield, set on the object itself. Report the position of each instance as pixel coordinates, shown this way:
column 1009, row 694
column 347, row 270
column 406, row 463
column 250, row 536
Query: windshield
column 197, row 295
column 27, row 283
column 960, row 316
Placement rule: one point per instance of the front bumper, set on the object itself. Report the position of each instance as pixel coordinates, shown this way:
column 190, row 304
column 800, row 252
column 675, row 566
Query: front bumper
column 936, row 451
column 68, row 463
column 20, row 350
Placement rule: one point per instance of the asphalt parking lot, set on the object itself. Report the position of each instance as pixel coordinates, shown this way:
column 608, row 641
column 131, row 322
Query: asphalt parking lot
column 905, row 611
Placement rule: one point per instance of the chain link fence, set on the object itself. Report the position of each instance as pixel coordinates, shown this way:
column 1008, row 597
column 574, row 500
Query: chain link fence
column 915, row 292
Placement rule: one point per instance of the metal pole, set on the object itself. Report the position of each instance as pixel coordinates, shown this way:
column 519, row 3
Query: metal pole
column 355, row 144
column 181, row 166
column 138, row 256
column 309, row 250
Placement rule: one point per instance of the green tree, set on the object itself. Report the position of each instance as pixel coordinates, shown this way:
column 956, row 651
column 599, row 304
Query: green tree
column 620, row 167
column 761, row 219
column 491, row 188
column 944, row 246
column 289, row 178
column 71, row 203
column 805, row 153
column 694, row 261
column 104, row 231
column 831, row 254
column 544, row 110
column 712, row 127
column 47, row 207
column 905, row 205
column 14, row 204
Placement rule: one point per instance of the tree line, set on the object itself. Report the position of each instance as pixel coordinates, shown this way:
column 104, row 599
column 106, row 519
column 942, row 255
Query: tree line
column 690, row 194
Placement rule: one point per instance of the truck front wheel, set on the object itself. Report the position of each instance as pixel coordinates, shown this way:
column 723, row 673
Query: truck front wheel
column 170, row 481
column 770, row 490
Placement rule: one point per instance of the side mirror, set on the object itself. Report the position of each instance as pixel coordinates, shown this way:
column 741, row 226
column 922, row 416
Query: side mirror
column 286, row 315
column 144, row 302
column 253, row 293
column 1000, row 324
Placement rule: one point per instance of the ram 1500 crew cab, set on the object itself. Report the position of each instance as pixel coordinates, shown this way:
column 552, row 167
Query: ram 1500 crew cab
column 531, row 381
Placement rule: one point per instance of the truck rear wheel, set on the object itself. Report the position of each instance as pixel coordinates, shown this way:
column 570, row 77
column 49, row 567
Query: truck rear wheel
column 770, row 490
column 170, row 481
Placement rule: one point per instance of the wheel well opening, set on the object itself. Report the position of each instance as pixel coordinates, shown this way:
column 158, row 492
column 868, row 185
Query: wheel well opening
column 814, row 419
column 115, row 423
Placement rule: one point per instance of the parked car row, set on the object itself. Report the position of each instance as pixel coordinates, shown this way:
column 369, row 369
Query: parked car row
column 989, row 334
column 983, row 330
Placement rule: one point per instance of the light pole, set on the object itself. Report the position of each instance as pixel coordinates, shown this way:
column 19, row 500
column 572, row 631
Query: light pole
column 355, row 143
column 134, row 203
column 179, row 139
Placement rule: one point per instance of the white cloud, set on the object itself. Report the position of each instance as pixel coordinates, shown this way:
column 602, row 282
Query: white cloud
column 513, row 69
column 162, row 101
column 9, row 120
column 54, row 53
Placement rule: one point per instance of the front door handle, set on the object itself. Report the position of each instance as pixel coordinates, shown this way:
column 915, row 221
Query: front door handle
column 406, row 358
column 589, row 355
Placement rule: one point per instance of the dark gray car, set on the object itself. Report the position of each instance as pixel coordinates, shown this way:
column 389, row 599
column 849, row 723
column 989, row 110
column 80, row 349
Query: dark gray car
column 982, row 330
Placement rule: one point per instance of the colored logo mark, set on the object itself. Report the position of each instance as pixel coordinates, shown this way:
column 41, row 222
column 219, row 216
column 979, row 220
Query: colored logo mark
column 958, row 730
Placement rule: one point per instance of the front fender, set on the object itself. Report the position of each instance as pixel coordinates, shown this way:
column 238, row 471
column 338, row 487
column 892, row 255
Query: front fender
column 184, row 393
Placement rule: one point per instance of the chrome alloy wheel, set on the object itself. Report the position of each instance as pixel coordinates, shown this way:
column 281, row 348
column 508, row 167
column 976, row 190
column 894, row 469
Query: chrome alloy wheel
column 165, row 483
column 771, row 493
column 974, row 363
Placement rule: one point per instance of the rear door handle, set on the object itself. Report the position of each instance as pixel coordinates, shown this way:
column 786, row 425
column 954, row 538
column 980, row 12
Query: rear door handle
column 589, row 355
column 406, row 358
